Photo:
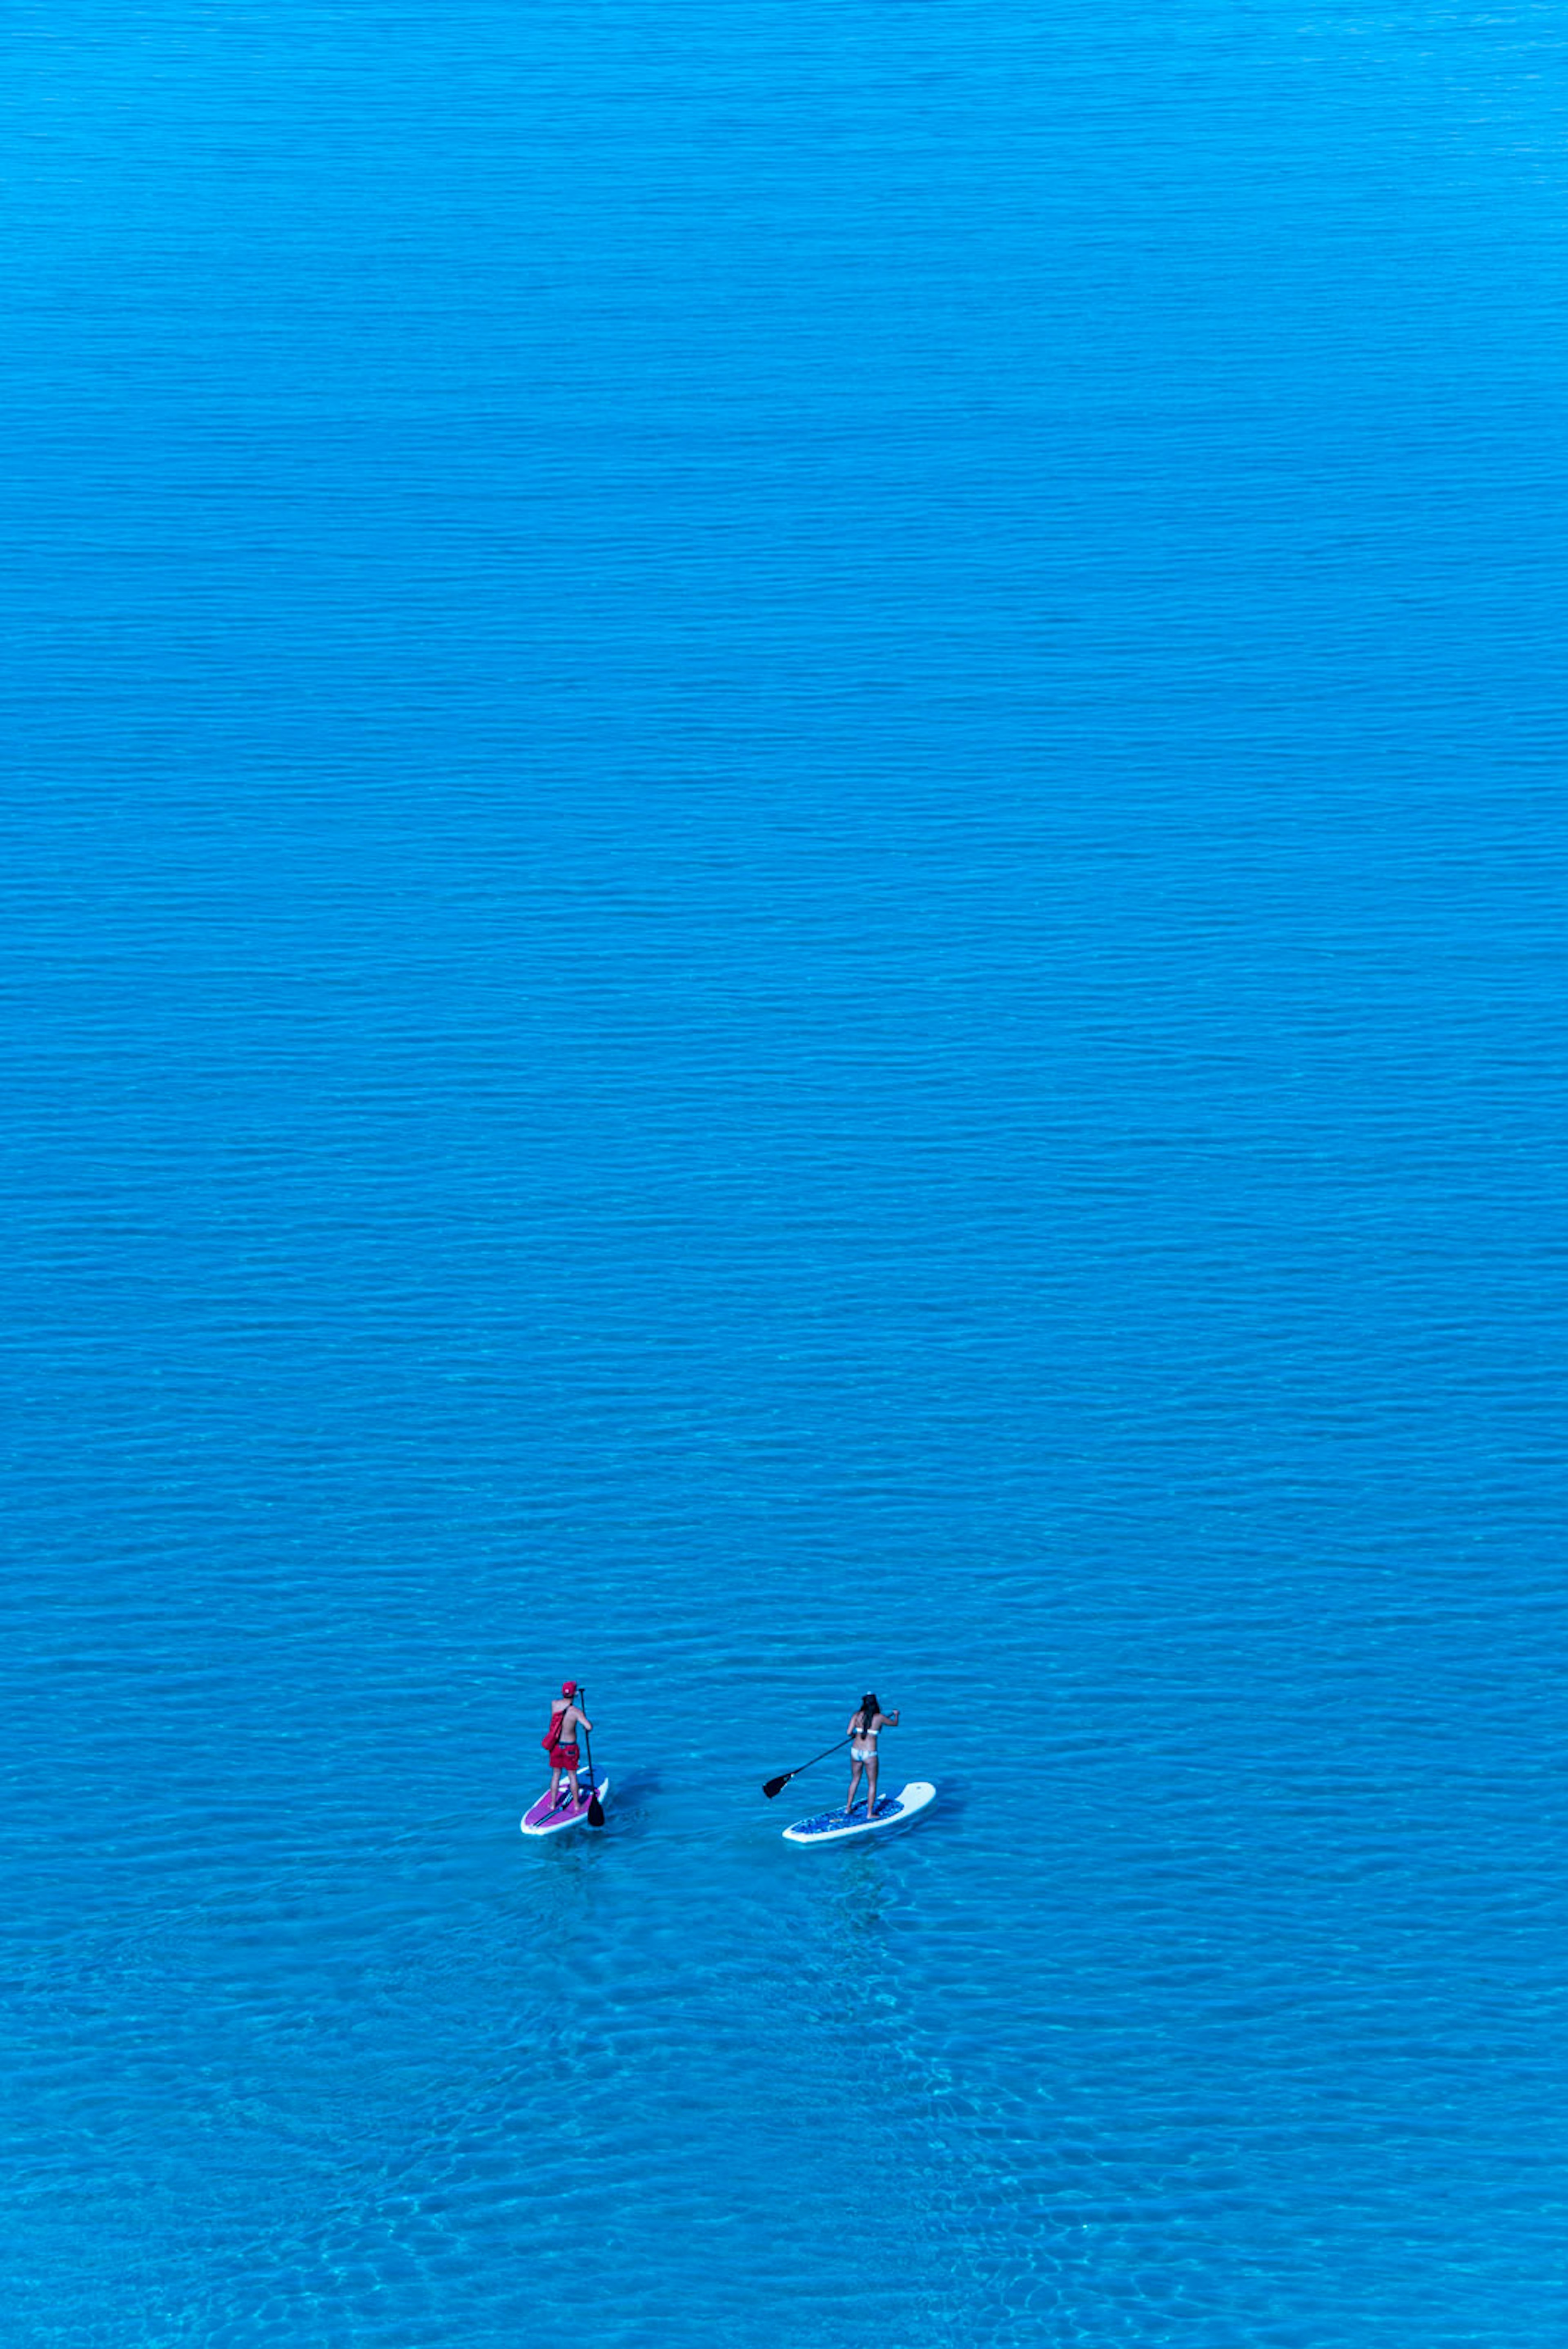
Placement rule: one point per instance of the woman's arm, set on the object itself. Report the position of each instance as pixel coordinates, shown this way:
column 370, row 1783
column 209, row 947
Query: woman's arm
column 887, row 1720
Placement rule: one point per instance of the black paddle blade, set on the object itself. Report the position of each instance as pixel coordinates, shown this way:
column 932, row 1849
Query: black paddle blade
column 595, row 1813
column 776, row 1786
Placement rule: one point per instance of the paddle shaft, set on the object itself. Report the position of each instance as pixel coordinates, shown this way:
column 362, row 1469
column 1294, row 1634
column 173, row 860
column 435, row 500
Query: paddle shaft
column 776, row 1786
column 596, row 1809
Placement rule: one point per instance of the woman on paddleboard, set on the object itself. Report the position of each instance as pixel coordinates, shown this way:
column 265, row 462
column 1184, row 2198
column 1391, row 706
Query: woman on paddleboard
column 560, row 1741
column 864, row 1727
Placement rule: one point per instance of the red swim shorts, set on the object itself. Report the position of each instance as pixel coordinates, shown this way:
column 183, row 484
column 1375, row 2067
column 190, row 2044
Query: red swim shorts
column 563, row 1757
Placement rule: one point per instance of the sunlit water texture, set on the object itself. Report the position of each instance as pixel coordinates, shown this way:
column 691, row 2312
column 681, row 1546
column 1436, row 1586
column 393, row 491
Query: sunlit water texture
column 783, row 865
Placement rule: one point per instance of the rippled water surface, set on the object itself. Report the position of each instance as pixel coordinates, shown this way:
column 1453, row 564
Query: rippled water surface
column 784, row 910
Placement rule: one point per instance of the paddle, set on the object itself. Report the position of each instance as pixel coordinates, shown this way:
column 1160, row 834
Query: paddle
column 776, row 1786
column 596, row 1809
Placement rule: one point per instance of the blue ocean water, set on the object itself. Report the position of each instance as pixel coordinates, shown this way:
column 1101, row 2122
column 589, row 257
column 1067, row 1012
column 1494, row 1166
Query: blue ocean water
column 783, row 870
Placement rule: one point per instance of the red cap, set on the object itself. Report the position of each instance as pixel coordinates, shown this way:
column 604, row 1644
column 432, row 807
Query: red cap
column 568, row 1688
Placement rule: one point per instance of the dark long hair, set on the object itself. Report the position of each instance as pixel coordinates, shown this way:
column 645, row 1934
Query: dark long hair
column 869, row 1709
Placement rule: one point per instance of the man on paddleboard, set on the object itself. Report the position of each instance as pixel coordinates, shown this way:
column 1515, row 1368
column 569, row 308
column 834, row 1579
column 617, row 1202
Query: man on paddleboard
column 560, row 1742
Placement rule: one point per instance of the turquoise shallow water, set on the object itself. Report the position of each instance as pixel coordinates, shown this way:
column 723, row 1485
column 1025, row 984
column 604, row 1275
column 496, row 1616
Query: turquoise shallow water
column 784, row 910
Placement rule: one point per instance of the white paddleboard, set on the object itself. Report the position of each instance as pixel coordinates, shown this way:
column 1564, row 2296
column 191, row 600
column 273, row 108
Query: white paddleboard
column 543, row 1820
column 892, row 1811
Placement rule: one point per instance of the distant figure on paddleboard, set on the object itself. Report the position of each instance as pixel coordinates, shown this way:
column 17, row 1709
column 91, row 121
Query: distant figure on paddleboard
column 560, row 1741
column 864, row 1727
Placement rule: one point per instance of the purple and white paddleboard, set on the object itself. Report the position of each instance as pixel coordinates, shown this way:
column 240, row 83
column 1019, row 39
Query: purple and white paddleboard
column 547, row 1818
column 839, row 1826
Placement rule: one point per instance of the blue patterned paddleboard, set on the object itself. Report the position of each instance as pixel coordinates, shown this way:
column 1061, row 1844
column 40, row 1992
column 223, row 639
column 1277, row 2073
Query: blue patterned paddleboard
column 892, row 1811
